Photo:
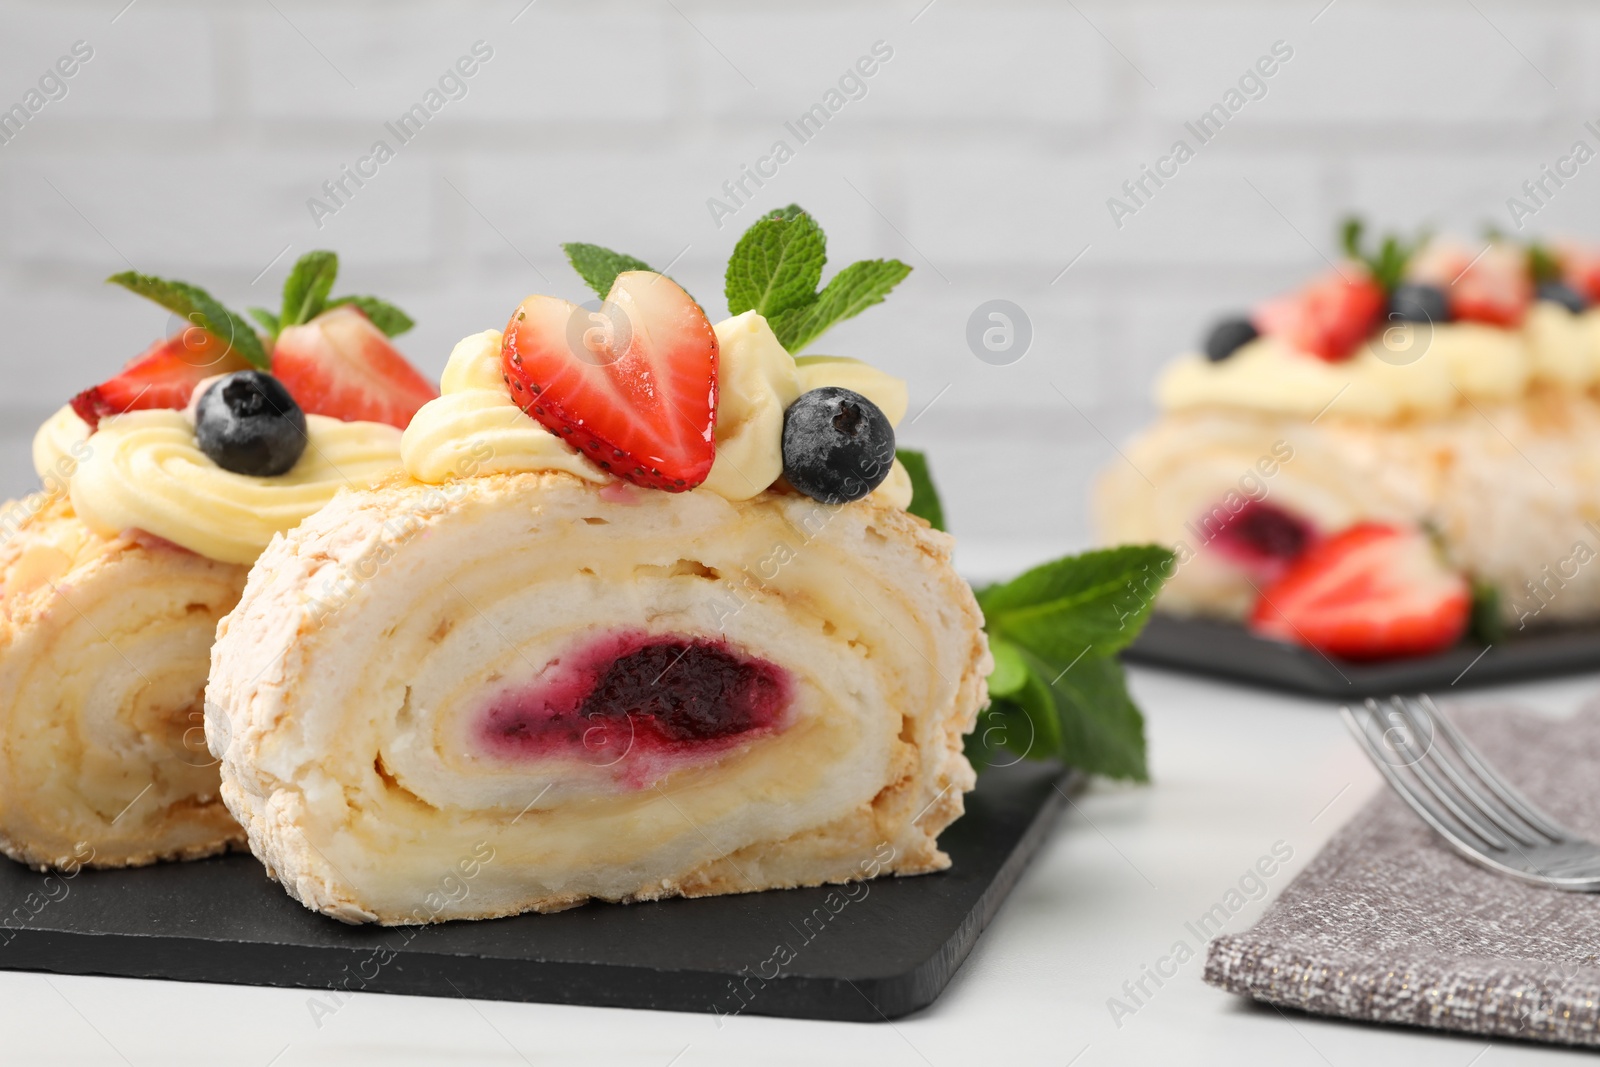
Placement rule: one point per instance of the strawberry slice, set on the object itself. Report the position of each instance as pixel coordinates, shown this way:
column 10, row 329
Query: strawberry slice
column 162, row 376
column 1490, row 285
column 340, row 365
column 1370, row 592
column 634, row 388
column 1328, row 318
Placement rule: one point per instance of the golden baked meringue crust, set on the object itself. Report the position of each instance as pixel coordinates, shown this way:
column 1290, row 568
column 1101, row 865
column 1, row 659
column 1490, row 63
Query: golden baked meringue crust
column 104, row 643
column 348, row 687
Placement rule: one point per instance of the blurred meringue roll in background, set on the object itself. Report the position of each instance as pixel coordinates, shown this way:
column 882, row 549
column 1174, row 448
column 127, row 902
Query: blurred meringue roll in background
column 649, row 619
column 161, row 485
column 1401, row 450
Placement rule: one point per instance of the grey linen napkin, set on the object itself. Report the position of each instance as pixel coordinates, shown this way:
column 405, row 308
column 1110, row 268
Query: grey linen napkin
column 1388, row 925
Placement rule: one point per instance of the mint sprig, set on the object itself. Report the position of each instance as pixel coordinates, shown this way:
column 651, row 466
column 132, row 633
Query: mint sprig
column 776, row 267
column 306, row 295
column 1058, row 690
column 925, row 503
column 1387, row 264
column 599, row 266
column 199, row 308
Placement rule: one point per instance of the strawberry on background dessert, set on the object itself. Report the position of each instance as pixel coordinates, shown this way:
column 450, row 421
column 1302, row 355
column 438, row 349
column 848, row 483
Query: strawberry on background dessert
column 162, row 485
column 651, row 619
column 1352, row 464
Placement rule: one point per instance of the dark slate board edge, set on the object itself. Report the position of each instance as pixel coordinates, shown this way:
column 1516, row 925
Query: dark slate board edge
column 1226, row 650
column 279, row 965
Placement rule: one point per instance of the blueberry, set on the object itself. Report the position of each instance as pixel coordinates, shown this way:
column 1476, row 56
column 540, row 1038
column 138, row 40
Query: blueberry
column 1415, row 302
column 1563, row 294
column 248, row 423
column 1227, row 337
column 837, row 445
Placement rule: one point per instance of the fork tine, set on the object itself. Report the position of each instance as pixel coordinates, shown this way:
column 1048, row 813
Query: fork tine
column 1504, row 790
column 1422, row 724
column 1463, row 838
column 1418, row 765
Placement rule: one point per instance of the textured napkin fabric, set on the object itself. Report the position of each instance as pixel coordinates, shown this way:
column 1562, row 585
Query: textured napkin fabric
column 1388, row 925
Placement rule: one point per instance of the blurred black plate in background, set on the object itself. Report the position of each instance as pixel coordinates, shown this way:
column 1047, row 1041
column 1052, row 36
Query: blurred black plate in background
column 1227, row 650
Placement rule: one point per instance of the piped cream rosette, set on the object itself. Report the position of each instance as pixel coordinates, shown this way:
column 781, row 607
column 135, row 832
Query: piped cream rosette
column 579, row 689
column 112, row 583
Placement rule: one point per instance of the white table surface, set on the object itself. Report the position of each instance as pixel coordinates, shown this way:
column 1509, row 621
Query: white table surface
column 1235, row 772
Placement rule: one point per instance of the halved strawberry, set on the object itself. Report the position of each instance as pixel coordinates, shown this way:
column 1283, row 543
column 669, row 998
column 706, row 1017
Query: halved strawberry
column 1370, row 592
column 633, row 388
column 340, row 365
column 1490, row 285
column 162, row 376
column 1328, row 318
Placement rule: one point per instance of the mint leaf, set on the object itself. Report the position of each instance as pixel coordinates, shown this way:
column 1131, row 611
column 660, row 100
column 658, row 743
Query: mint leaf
column 1023, row 718
column 1102, row 731
column 924, row 497
column 267, row 319
column 384, row 315
column 776, row 266
column 200, row 308
column 1486, row 625
column 849, row 293
column 599, row 266
column 1093, row 604
column 306, row 289
column 1010, row 669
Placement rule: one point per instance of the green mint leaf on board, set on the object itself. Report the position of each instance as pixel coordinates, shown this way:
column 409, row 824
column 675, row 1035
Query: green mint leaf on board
column 924, row 497
column 306, row 289
column 1102, row 731
column 1057, row 690
column 598, row 266
column 1026, row 722
column 267, row 319
column 1091, row 604
column 848, row 293
column 776, row 266
column 202, row 309
column 384, row 315
column 1486, row 625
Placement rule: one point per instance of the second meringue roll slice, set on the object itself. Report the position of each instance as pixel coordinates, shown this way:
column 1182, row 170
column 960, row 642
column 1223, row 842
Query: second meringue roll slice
column 616, row 695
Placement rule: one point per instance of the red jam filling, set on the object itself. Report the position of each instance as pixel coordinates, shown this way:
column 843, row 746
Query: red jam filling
column 633, row 696
column 1261, row 534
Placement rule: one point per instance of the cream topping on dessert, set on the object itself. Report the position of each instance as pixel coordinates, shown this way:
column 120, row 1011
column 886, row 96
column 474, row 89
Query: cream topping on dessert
column 59, row 444
column 475, row 427
column 1383, row 380
column 144, row 470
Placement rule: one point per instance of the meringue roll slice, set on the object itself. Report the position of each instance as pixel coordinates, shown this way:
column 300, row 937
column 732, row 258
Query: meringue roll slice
column 520, row 692
column 114, row 577
column 104, row 646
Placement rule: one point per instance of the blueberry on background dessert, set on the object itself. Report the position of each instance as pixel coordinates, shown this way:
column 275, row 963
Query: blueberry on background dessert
column 1228, row 336
column 837, row 445
column 1563, row 294
column 249, row 424
column 1416, row 302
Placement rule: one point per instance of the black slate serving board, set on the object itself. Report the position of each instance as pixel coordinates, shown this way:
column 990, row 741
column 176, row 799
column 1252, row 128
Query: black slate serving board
column 1228, row 650
column 888, row 952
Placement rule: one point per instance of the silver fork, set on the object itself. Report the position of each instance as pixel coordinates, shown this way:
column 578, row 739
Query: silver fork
column 1441, row 775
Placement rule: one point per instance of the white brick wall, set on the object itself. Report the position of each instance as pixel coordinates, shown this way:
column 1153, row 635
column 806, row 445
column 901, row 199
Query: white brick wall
column 982, row 153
